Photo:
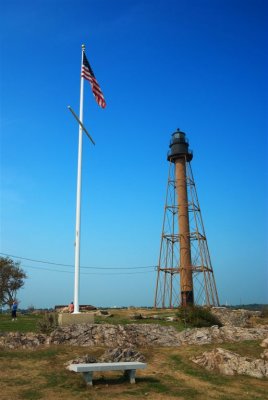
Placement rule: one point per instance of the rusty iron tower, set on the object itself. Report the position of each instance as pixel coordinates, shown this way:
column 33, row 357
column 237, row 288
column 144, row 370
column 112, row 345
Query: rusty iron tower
column 184, row 272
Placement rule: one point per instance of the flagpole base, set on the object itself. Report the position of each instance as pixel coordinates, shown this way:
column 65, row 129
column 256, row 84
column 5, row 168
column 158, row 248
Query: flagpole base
column 75, row 319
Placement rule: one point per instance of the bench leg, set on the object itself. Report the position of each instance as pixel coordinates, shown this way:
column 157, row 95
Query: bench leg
column 131, row 374
column 88, row 376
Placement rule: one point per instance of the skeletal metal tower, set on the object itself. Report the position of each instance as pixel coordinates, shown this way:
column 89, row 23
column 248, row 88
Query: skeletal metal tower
column 184, row 273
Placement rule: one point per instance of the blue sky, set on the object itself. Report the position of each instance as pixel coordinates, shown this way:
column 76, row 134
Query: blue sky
column 199, row 65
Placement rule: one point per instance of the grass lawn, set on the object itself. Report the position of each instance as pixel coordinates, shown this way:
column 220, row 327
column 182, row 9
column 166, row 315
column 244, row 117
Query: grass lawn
column 124, row 317
column 28, row 322
column 24, row 323
column 41, row 373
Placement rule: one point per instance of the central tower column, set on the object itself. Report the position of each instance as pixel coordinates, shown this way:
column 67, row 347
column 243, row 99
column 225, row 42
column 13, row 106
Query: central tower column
column 186, row 280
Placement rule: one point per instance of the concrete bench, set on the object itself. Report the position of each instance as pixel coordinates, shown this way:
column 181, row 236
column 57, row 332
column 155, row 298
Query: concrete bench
column 88, row 369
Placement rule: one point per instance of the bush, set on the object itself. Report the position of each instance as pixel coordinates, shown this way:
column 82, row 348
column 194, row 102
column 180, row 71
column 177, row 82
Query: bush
column 48, row 323
column 264, row 312
column 197, row 317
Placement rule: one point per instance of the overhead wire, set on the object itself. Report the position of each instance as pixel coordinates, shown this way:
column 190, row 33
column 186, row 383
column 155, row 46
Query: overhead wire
column 86, row 273
column 82, row 267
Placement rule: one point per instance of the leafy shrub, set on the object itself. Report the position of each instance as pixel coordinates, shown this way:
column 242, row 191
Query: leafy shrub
column 197, row 317
column 48, row 323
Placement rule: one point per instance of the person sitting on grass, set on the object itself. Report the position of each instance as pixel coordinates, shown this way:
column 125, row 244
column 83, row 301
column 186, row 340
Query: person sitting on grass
column 14, row 310
column 71, row 307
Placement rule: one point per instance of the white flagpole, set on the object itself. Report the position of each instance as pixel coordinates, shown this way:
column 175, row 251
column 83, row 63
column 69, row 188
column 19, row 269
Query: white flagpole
column 78, row 198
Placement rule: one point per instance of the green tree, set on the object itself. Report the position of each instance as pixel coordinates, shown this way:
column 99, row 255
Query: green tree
column 12, row 279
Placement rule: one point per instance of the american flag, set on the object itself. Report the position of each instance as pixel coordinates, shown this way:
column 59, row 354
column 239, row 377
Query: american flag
column 88, row 74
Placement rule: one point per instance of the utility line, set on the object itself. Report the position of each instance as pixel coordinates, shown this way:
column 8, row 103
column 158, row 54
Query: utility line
column 71, row 265
column 85, row 273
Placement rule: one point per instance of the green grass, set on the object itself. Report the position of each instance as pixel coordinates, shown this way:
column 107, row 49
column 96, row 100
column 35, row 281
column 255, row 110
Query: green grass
column 42, row 354
column 42, row 372
column 197, row 372
column 30, row 395
column 30, row 322
column 167, row 385
column 56, row 380
column 14, row 382
column 122, row 320
column 247, row 348
column 172, row 386
column 24, row 323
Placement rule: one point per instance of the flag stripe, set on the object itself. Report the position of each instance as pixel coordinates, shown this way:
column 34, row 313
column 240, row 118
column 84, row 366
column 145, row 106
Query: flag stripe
column 88, row 74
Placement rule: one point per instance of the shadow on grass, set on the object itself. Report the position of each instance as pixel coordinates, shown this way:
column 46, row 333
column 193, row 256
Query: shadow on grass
column 144, row 385
column 104, row 380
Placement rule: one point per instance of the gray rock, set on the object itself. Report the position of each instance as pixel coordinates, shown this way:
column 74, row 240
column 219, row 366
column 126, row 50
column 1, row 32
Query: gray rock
column 231, row 317
column 122, row 354
column 136, row 316
column 172, row 319
column 215, row 334
column 264, row 343
column 264, row 354
column 116, row 335
column 86, row 359
column 13, row 340
column 229, row 363
column 137, row 335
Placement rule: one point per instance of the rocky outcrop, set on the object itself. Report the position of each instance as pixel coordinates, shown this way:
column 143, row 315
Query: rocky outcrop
column 264, row 354
column 215, row 334
column 116, row 335
column 151, row 335
column 229, row 363
column 230, row 317
column 14, row 340
column 264, row 344
column 122, row 354
column 137, row 335
column 86, row 359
